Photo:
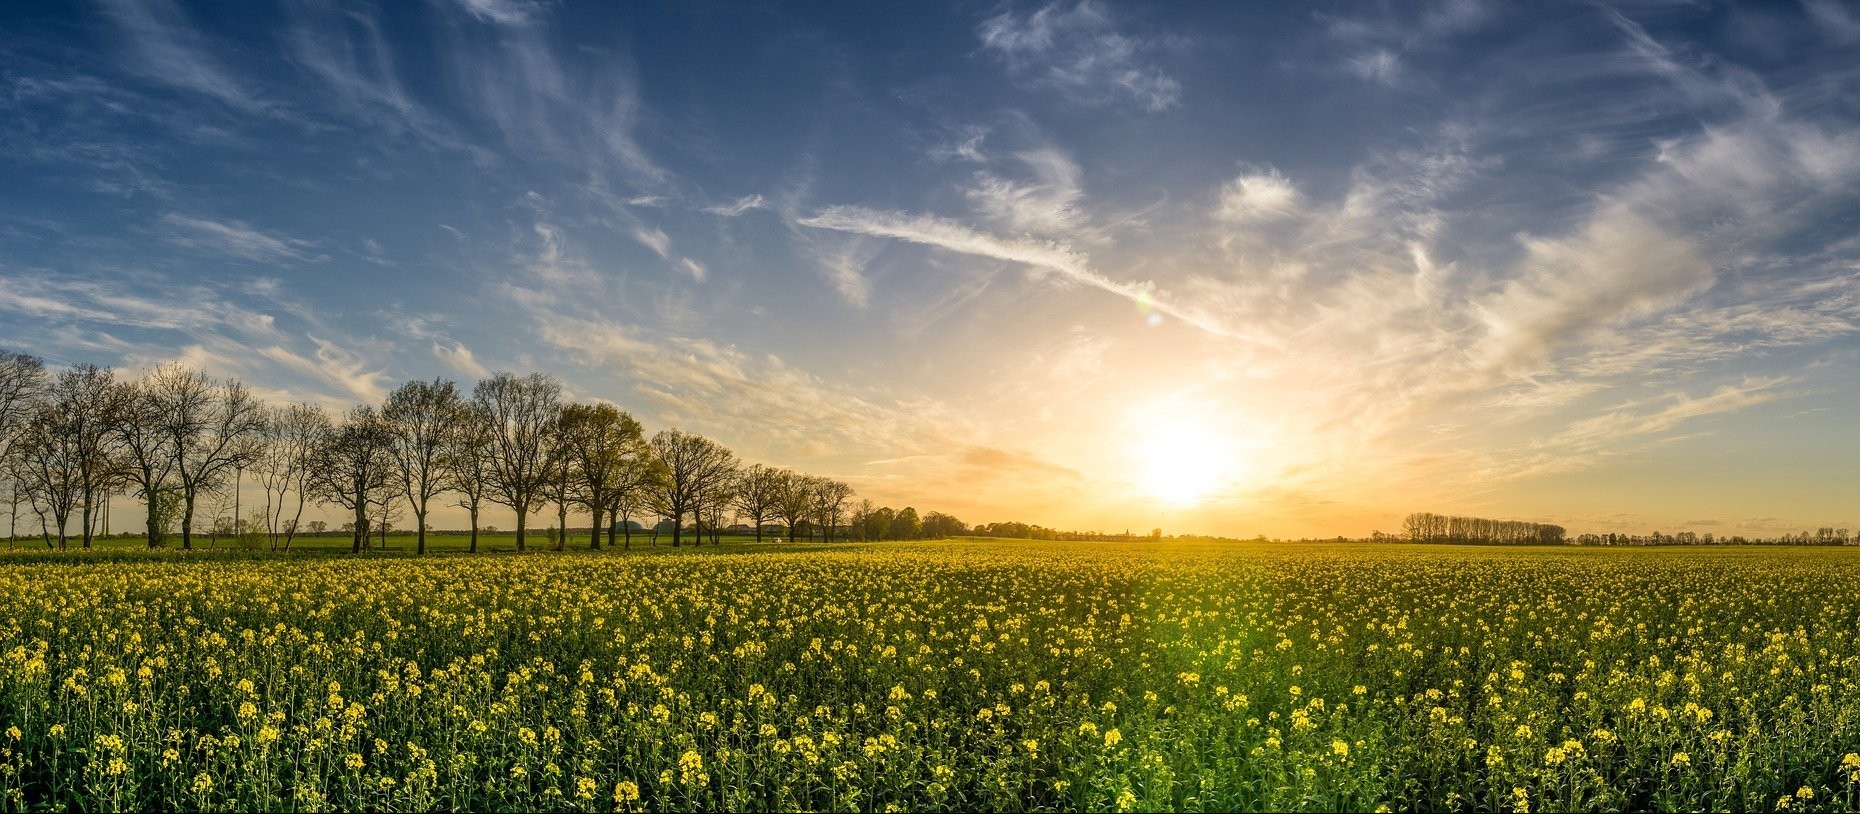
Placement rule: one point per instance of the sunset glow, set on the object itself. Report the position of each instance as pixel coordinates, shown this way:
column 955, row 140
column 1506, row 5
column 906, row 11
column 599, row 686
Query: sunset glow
column 1586, row 266
column 1183, row 464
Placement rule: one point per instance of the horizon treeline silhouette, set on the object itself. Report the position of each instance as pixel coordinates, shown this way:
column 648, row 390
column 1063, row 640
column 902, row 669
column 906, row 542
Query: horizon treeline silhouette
column 175, row 438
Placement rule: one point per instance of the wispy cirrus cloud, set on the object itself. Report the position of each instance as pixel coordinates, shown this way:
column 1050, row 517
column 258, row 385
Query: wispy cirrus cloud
column 238, row 239
column 164, row 47
column 950, row 235
column 1078, row 50
column 504, row 12
column 1045, row 203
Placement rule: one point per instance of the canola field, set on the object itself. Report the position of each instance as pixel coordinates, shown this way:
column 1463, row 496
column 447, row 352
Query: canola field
column 954, row 675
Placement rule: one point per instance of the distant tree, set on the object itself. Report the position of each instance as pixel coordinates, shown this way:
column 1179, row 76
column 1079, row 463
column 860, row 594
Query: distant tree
column 419, row 416
column 829, row 499
column 468, row 462
column 906, row 526
column 757, row 490
column 604, row 443
column 48, row 466
column 861, row 517
column 212, row 429
column 317, row 526
column 635, row 491
column 522, row 410
column 149, row 460
column 716, row 501
column 878, row 523
column 794, row 500
column 561, row 481
column 354, row 463
column 83, row 397
column 292, row 436
column 939, row 525
column 22, row 382
column 692, row 465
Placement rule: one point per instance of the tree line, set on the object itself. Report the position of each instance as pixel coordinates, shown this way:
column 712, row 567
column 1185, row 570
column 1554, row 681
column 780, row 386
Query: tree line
column 1427, row 527
column 174, row 437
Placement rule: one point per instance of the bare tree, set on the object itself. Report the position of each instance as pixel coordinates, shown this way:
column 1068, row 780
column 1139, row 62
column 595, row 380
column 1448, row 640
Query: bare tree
column 693, row 464
column 419, row 413
column 635, row 491
column 48, row 466
column 794, row 499
column 757, row 489
column 862, row 518
column 604, row 443
column 561, row 478
column 521, row 410
column 136, row 419
column 352, row 466
column 292, row 436
column 81, row 397
column 211, row 431
column 830, row 498
column 468, row 455
column 716, row 502
column 22, row 383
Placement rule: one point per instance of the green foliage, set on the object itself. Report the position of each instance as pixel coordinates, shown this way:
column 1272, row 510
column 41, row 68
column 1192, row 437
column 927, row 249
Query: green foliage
column 951, row 676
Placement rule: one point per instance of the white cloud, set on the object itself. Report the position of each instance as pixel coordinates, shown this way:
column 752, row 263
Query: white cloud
column 943, row 233
column 1838, row 22
column 334, row 365
column 1258, row 196
column 166, row 48
column 693, row 268
column 239, row 239
column 1078, row 51
column 1045, row 205
column 460, row 358
column 503, row 12
column 1381, row 66
column 655, row 239
column 740, row 206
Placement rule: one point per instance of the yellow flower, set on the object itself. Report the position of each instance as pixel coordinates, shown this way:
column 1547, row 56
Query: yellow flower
column 1112, row 737
column 626, row 791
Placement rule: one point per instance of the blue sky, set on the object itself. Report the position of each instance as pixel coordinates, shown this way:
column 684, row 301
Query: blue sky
column 1598, row 265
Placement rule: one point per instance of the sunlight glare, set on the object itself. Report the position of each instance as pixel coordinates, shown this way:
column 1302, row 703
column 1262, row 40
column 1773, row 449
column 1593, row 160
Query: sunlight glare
column 1183, row 462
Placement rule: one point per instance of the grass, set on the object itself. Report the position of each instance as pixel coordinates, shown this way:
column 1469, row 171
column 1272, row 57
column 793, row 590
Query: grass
column 975, row 674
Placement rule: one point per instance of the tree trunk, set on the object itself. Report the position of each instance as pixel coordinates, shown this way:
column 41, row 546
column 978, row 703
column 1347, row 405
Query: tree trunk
column 474, row 528
column 594, row 527
column 155, row 525
column 522, row 524
column 561, row 524
column 358, row 536
column 187, row 520
column 626, row 528
column 678, row 521
column 758, row 522
column 420, row 518
column 86, row 535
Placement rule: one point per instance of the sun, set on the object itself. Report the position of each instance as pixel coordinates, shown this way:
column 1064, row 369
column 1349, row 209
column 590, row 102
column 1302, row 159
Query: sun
column 1183, row 463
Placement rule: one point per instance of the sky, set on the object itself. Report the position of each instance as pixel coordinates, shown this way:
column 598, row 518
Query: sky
column 1291, row 269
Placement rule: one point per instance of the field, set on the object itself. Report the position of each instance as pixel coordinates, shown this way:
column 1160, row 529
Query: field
column 952, row 675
